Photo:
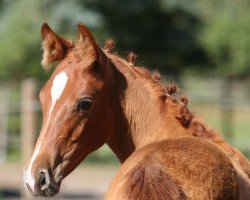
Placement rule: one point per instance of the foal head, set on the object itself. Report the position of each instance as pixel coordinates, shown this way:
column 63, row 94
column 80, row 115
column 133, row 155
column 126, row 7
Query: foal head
column 77, row 109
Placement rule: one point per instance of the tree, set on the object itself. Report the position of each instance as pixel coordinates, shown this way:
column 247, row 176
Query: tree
column 162, row 33
column 226, row 38
column 20, row 23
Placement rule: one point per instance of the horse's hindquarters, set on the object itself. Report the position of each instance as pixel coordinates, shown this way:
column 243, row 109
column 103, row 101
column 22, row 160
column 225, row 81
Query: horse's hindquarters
column 184, row 168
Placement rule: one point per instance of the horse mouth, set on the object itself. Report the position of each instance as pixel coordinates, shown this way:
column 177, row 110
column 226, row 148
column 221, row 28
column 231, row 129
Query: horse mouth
column 49, row 191
column 48, row 186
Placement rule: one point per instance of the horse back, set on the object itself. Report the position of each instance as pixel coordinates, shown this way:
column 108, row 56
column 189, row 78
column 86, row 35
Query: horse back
column 174, row 169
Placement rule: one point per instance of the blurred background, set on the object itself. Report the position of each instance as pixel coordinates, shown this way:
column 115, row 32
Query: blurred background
column 203, row 46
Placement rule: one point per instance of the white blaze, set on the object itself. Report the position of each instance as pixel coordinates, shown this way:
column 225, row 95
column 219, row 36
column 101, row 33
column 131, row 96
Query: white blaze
column 59, row 84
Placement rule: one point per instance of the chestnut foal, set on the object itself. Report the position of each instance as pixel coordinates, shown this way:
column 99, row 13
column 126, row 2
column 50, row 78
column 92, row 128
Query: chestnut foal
column 95, row 97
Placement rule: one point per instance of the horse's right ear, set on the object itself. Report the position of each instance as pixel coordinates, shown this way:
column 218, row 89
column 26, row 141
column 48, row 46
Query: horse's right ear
column 55, row 47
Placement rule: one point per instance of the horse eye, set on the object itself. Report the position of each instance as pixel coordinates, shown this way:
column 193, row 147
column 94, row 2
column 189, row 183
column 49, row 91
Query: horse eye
column 84, row 104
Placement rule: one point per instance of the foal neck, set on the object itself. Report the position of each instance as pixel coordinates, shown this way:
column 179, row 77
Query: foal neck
column 145, row 111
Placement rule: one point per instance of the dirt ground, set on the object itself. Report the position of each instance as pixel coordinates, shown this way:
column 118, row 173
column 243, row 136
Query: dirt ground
column 87, row 182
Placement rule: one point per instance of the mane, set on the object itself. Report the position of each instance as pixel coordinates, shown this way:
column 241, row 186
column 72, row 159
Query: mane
column 170, row 91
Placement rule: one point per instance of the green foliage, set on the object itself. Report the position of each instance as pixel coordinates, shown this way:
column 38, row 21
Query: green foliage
column 226, row 37
column 20, row 23
column 166, row 34
column 19, row 35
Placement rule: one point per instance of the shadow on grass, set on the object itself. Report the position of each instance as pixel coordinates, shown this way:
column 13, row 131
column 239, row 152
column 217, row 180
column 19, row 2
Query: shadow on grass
column 6, row 193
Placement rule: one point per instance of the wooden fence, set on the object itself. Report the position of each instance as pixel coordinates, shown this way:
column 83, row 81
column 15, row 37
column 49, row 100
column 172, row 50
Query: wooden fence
column 28, row 121
column 27, row 108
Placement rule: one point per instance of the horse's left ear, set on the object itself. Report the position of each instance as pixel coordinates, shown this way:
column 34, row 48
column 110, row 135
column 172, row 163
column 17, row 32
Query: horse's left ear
column 88, row 43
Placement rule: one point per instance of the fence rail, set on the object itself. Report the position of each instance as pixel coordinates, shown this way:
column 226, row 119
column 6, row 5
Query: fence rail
column 20, row 118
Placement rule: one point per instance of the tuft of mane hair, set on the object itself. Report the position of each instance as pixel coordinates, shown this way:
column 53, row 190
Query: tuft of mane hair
column 172, row 88
column 184, row 100
column 109, row 45
column 156, row 76
column 131, row 58
column 184, row 117
column 200, row 130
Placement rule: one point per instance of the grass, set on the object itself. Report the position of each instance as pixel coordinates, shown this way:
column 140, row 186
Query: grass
column 241, row 125
column 104, row 155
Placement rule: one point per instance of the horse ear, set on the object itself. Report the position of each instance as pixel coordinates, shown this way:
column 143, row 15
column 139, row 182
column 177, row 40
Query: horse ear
column 55, row 47
column 87, row 41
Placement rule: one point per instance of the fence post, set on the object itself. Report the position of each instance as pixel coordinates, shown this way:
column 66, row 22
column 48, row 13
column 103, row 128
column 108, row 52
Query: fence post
column 227, row 109
column 28, row 124
column 28, row 118
column 4, row 116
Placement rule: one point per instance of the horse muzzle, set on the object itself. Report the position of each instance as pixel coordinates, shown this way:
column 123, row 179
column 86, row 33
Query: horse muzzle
column 41, row 184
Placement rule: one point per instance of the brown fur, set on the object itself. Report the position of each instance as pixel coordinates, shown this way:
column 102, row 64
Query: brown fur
column 150, row 181
column 163, row 171
column 181, row 113
column 132, row 109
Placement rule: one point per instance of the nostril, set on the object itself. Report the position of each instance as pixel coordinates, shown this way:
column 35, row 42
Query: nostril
column 42, row 180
